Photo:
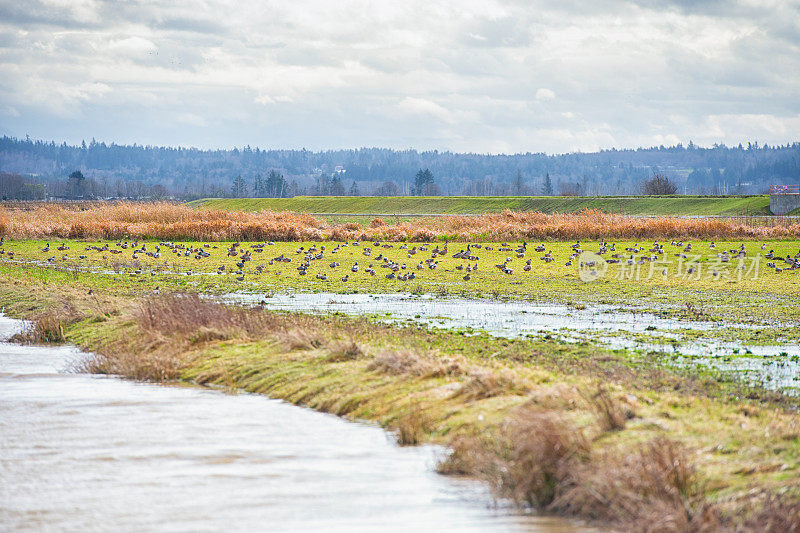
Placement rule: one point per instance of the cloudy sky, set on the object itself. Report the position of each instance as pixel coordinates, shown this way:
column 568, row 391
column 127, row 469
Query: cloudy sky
column 482, row 76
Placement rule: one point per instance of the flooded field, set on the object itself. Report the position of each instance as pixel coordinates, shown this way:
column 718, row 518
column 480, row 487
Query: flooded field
column 501, row 318
column 85, row 453
column 775, row 366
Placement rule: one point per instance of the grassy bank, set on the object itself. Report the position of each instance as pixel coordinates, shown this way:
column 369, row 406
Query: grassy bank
column 624, row 205
column 607, row 435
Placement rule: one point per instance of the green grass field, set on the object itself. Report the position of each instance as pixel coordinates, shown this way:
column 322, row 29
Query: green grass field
column 627, row 205
column 759, row 293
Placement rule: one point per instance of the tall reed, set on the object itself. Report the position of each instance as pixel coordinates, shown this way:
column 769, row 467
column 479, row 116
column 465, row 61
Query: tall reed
column 168, row 221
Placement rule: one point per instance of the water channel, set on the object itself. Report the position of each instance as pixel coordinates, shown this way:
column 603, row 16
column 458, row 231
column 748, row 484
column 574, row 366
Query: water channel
column 90, row 453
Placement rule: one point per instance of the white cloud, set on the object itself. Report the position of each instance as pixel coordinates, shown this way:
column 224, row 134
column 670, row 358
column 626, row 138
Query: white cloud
column 191, row 119
column 545, row 94
column 132, row 44
column 470, row 75
column 421, row 106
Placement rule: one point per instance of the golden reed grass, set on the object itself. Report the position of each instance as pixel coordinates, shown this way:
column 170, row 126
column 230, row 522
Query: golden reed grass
column 168, row 221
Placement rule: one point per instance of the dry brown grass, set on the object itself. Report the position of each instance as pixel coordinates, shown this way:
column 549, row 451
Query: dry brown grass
column 178, row 222
column 301, row 338
column 345, row 350
column 415, row 363
column 587, row 224
column 653, row 489
column 48, row 326
column 539, row 459
column 158, row 221
column 160, row 362
column 5, row 223
column 609, row 412
column 775, row 514
column 169, row 324
column 484, row 384
column 410, row 429
column 532, row 456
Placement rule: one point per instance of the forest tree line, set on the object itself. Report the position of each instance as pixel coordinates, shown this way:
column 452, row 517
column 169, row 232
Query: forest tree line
column 38, row 169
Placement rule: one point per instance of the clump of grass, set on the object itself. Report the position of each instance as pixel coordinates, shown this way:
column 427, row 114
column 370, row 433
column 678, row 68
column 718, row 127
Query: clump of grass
column 206, row 334
column 535, row 454
column 610, row 414
column 653, row 489
column 183, row 314
column 415, row 363
column 776, row 514
column 489, row 383
column 344, row 350
column 48, row 326
column 300, row 338
column 411, row 427
column 186, row 315
column 538, row 459
column 467, row 456
column 159, row 365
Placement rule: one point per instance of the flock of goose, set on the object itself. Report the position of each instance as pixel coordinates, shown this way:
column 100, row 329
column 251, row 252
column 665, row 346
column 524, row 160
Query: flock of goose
column 409, row 261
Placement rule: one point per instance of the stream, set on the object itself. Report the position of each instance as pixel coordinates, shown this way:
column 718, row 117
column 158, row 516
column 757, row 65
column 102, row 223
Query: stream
column 81, row 452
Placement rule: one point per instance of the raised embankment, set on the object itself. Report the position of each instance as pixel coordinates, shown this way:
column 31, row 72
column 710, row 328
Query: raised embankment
column 415, row 205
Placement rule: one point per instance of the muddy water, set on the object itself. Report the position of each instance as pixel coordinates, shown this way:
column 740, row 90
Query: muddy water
column 87, row 453
column 774, row 366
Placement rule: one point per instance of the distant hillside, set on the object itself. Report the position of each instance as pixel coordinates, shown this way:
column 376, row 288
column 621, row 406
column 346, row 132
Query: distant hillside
column 136, row 171
column 673, row 205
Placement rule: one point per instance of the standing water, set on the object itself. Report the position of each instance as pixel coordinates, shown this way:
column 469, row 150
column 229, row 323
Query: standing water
column 85, row 453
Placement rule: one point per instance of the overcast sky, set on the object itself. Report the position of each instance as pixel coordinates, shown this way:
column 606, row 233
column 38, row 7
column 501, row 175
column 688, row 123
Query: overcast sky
column 480, row 76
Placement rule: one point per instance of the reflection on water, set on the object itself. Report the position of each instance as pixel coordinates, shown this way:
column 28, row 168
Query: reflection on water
column 85, row 453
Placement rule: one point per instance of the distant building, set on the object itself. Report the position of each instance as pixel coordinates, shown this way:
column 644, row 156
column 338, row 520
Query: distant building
column 339, row 169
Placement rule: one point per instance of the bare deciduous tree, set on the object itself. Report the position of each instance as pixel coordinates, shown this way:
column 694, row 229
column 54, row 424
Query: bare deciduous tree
column 659, row 185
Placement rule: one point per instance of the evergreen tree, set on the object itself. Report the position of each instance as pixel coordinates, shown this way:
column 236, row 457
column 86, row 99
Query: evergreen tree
column 518, row 183
column 354, row 189
column 258, row 186
column 422, row 180
column 276, row 185
column 548, row 185
column 323, row 185
column 337, row 188
column 76, row 185
column 239, row 188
